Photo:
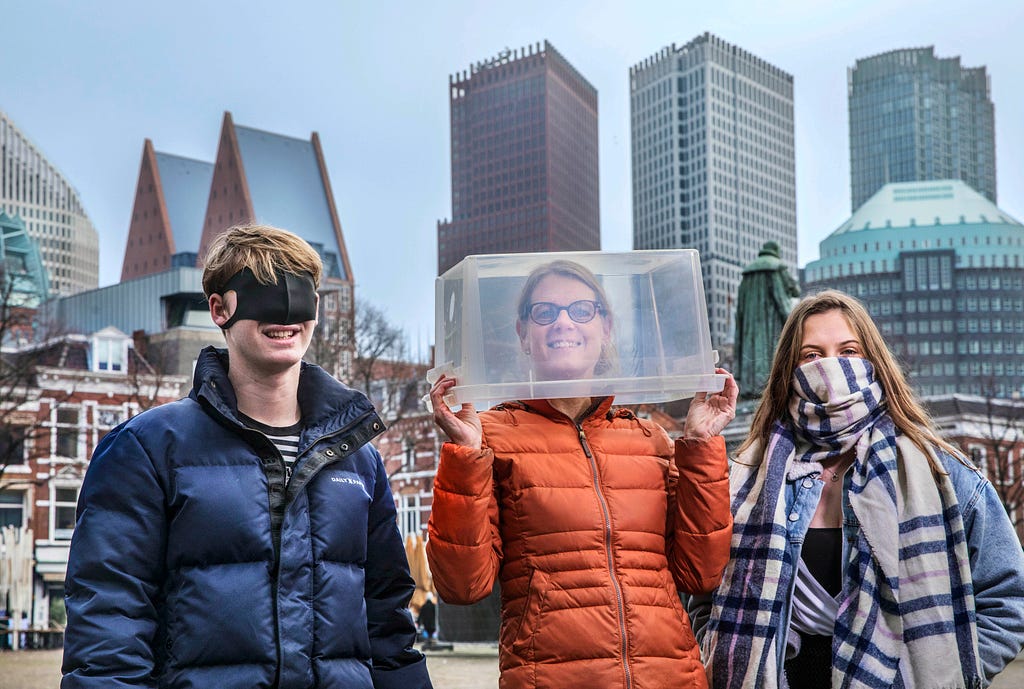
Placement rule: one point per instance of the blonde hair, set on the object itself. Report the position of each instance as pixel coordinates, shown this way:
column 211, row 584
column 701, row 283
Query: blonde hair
column 906, row 411
column 262, row 249
column 609, row 360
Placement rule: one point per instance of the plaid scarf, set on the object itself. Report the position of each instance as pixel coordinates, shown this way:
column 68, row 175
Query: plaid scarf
column 906, row 617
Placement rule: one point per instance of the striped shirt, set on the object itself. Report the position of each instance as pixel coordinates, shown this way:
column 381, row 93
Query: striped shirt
column 285, row 439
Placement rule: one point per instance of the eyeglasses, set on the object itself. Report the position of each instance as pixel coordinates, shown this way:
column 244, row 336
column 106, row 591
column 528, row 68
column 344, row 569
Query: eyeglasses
column 582, row 311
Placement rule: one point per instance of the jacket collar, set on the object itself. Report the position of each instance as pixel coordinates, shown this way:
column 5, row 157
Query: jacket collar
column 598, row 408
column 326, row 404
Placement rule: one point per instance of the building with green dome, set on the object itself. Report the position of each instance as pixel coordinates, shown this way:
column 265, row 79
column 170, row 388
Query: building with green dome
column 24, row 283
column 941, row 270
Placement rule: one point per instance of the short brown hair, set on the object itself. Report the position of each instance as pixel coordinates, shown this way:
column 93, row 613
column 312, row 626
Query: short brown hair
column 262, row 249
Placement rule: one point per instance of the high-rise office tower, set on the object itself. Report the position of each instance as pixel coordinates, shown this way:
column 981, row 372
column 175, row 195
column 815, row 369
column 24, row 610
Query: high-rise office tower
column 713, row 162
column 917, row 117
column 524, row 158
column 33, row 189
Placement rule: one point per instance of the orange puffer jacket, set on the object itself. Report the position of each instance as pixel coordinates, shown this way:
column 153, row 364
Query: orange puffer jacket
column 592, row 530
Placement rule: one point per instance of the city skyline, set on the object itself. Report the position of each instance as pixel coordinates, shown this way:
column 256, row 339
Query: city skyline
column 89, row 87
column 713, row 138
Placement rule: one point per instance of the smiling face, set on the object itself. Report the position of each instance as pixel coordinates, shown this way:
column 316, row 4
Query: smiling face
column 564, row 349
column 828, row 334
column 262, row 348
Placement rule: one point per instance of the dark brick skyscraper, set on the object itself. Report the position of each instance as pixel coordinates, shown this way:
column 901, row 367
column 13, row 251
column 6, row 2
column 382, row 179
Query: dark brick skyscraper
column 524, row 158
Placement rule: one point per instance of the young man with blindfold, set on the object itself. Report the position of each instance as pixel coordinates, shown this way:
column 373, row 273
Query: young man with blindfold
column 244, row 536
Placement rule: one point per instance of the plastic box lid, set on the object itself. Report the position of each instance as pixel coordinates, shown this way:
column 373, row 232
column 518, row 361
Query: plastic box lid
column 649, row 343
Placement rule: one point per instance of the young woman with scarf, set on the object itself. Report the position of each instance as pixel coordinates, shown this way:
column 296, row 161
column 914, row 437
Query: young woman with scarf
column 866, row 551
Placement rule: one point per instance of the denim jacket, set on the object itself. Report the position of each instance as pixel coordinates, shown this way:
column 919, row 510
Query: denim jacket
column 997, row 562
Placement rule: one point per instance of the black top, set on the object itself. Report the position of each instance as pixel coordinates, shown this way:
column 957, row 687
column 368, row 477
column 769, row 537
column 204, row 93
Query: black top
column 823, row 555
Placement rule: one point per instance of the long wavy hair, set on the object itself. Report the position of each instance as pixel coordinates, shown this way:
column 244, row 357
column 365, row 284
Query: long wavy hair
column 903, row 406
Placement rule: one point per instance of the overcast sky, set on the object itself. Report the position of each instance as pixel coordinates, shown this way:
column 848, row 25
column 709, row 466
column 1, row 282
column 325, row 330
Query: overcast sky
column 89, row 81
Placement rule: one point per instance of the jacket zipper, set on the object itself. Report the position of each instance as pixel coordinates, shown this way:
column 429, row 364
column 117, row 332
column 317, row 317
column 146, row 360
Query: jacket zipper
column 620, row 608
column 204, row 400
column 284, row 508
column 316, row 470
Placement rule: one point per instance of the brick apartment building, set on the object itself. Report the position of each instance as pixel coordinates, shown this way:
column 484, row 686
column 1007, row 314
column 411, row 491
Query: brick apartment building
column 72, row 391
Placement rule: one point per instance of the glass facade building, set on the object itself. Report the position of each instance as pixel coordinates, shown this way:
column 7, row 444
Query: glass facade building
column 941, row 270
column 33, row 189
column 713, row 162
column 524, row 156
column 24, row 282
column 917, row 117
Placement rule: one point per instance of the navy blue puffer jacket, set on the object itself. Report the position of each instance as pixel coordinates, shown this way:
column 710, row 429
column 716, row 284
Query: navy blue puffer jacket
column 195, row 564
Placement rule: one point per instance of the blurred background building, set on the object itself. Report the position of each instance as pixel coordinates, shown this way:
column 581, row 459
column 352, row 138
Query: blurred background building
column 34, row 190
column 917, row 117
column 67, row 394
column 167, row 217
column 181, row 205
column 713, row 162
column 524, row 156
column 941, row 270
column 24, row 284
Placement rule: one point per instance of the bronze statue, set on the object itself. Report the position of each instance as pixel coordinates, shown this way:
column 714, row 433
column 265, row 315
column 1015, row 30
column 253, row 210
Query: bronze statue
column 766, row 295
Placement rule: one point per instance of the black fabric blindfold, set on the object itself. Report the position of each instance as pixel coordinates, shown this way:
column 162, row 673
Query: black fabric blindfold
column 291, row 300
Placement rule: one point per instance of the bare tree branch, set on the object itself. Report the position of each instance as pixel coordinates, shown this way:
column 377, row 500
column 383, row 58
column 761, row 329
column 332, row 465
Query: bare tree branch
column 26, row 344
column 378, row 354
column 1002, row 435
column 149, row 370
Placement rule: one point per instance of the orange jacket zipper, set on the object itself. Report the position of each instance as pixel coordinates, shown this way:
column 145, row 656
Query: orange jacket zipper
column 611, row 560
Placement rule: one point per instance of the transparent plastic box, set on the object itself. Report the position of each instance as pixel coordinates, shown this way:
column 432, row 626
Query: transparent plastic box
column 649, row 343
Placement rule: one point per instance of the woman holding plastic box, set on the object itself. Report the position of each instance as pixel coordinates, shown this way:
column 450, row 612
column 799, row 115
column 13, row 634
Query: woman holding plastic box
column 866, row 551
column 583, row 512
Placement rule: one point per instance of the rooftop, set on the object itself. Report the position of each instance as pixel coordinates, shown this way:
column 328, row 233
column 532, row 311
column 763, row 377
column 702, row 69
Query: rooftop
column 287, row 188
column 913, row 204
column 186, row 186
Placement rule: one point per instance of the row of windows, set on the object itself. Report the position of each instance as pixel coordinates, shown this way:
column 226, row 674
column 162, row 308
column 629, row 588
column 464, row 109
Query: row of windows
column 471, row 116
column 965, row 369
column 872, row 266
column 53, row 222
column 483, row 97
column 777, row 91
column 962, row 347
column 759, row 122
column 962, row 282
column 62, row 501
column 64, row 432
column 959, row 325
column 1013, row 238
